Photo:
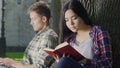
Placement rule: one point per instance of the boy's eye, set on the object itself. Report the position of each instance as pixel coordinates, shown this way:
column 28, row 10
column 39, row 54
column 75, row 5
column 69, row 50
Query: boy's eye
column 66, row 20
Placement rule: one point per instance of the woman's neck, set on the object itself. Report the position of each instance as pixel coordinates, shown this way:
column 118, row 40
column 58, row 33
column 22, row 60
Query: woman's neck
column 84, row 29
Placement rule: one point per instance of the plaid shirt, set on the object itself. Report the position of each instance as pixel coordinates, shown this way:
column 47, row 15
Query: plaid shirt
column 34, row 53
column 102, row 48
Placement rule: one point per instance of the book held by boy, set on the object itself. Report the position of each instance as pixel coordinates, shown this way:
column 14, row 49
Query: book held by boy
column 67, row 50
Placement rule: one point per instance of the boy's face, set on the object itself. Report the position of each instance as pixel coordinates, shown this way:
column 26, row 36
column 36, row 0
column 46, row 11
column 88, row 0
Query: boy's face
column 37, row 21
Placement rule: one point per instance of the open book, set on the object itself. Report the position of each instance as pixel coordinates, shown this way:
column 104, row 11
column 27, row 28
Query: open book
column 67, row 50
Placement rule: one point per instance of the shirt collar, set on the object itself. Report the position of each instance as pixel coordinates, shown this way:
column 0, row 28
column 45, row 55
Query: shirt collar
column 43, row 30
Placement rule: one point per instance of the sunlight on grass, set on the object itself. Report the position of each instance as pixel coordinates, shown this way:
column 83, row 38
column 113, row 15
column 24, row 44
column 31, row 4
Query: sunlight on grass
column 15, row 55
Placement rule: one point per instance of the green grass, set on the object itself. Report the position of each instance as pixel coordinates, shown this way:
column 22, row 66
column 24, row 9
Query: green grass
column 15, row 55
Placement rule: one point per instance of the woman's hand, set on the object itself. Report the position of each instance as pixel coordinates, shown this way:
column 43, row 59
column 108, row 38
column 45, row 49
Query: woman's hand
column 56, row 57
column 84, row 61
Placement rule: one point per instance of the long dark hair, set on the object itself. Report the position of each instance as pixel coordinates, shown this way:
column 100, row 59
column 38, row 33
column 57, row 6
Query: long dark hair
column 79, row 10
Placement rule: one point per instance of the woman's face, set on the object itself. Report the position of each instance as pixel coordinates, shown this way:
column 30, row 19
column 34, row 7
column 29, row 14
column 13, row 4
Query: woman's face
column 73, row 22
column 36, row 21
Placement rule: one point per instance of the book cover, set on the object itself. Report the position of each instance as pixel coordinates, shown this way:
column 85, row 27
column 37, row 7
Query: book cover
column 66, row 50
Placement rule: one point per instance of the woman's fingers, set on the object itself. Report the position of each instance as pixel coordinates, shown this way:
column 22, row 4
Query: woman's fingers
column 56, row 57
column 65, row 55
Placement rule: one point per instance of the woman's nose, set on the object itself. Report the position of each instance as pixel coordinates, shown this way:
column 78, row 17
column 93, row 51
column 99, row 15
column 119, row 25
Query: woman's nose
column 71, row 22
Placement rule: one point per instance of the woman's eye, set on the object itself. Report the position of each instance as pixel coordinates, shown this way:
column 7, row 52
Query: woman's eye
column 74, row 18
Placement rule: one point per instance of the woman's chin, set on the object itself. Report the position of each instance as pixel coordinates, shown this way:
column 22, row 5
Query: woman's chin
column 73, row 31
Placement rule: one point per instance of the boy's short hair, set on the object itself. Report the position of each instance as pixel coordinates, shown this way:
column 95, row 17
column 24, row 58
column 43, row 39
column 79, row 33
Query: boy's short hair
column 42, row 8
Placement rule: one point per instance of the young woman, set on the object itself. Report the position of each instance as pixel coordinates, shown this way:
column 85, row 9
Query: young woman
column 92, row 41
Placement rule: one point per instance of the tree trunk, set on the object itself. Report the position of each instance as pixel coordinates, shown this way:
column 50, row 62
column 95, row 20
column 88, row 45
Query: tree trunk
column 56, row 8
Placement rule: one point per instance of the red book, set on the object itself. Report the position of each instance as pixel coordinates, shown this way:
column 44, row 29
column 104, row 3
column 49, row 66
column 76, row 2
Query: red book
column 66, row 50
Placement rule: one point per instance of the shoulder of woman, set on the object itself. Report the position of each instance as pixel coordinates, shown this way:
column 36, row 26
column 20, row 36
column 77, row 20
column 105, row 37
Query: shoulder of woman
column 98, row 28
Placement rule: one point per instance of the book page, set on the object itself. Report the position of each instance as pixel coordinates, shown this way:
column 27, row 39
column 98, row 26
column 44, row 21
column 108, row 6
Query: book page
column 65, row 49
column 61, row 45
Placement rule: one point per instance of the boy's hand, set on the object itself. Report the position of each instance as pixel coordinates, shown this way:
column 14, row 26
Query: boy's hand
column 7, row 62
